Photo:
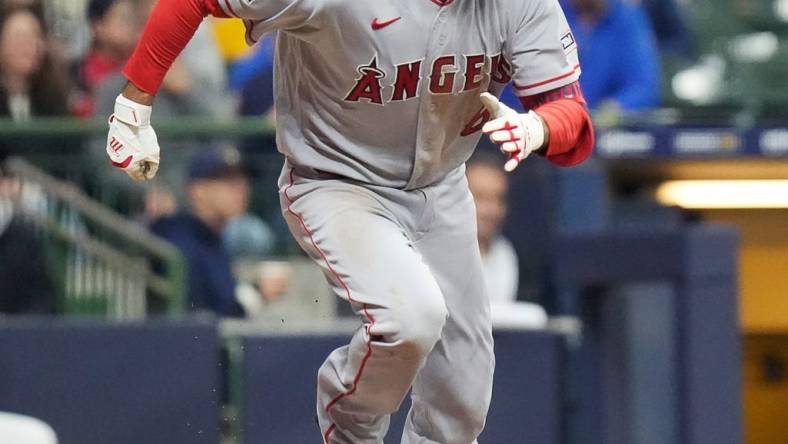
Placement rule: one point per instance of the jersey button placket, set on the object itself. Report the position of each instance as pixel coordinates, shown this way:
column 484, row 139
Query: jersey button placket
column 425, row 155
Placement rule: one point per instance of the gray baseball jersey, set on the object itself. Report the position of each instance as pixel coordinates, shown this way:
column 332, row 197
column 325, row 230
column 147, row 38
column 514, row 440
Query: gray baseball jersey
column 387, row 91
column 378, row 109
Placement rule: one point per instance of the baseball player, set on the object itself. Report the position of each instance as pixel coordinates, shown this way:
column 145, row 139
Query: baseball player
column 379, row 104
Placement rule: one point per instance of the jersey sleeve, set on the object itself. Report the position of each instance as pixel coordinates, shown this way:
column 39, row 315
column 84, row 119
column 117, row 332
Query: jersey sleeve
column 173, row 23
column 263, row 16
column 542, row 49
column 169, row 29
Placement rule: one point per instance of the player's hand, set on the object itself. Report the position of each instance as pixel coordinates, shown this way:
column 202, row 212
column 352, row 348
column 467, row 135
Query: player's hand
column 131, row 143
column 518, row 134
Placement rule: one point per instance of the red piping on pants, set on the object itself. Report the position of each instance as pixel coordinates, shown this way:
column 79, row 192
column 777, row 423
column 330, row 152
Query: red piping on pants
column 349, row 298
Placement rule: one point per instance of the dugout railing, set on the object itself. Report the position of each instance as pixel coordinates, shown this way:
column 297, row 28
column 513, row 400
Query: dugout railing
column 90, row 217
column 100, row 262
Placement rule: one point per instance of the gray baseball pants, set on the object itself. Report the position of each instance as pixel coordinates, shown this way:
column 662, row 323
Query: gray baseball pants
column 408, row 263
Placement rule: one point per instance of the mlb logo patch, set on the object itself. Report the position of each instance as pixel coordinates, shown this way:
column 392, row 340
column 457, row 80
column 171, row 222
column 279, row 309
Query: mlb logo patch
column 567, row 41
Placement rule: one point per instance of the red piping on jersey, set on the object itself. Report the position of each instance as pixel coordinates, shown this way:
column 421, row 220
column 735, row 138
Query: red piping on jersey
column 442, row 3
column 230, row 8
column 545, row 82
column 349, row 298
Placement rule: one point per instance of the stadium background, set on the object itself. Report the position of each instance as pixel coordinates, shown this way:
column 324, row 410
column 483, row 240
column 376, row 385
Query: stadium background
column 663, row 262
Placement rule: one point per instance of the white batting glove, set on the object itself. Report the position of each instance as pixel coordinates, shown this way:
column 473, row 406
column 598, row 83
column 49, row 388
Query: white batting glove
column 131, row 143
column 518, row 134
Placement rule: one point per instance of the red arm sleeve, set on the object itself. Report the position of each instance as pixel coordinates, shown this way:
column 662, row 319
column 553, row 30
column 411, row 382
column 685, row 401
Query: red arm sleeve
column 571, row 130
column 169, row 29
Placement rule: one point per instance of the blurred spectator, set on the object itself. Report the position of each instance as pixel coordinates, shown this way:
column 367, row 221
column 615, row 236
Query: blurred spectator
column 35, row 6
column 670, row 28
column 203, row 62
column 230, row 37
column 253, row 78
column 32, row 84
column 69, row 28
column 218, row 191
column 159, row 202
column 618, row 53
column 489, row 185
column 23, row 258
column 248, row 237
column 196, row 84
column 114, row 35
column 618, row 56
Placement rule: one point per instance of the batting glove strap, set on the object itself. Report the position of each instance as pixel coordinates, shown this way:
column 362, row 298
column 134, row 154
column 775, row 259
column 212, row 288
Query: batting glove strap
column 534, row 131
column 131, row 112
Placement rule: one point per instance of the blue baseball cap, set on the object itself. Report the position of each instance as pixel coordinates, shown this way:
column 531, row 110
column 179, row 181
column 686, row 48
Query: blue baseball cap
column 216, row 163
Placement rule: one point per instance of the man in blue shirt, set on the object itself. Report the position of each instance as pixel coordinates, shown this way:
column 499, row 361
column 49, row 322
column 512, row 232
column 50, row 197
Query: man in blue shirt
column 670, row 28
column 618, row 54
column 218, row 191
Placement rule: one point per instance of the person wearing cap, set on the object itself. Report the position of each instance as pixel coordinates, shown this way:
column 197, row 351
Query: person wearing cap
column 217, row 192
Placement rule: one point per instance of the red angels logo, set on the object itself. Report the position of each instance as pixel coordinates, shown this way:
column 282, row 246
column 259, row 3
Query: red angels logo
column 447, row 74
column 368, row 84
column 407, row 84
column 477, row 122
column 501, row 69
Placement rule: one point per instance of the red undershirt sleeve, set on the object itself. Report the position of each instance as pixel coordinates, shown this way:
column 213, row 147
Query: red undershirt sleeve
column 571, row 130
column 169, row 29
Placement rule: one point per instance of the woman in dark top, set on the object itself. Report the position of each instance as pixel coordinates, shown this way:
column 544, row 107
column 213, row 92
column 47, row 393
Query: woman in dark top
column 31, row 84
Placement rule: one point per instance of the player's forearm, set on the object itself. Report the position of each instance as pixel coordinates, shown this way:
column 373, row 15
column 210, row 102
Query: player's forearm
column 569, row 133
column 169, row 29
column 131, row 92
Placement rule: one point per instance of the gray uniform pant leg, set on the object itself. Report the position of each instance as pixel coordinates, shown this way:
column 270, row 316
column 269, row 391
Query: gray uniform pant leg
column 451, row 394
column 369, row 260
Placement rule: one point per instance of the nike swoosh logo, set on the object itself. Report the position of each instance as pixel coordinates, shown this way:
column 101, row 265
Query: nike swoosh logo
column 376, row 25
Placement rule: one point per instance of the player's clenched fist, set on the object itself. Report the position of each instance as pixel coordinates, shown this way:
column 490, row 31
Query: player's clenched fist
column 518, row 134
column 131, row 144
